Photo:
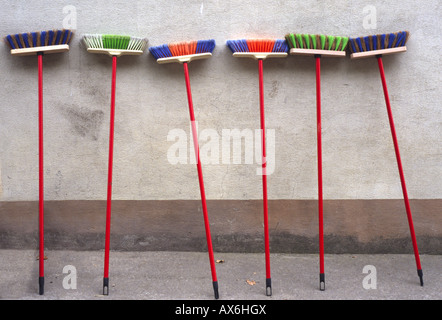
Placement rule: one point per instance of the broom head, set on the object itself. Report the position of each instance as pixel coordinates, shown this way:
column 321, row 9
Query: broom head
column 379, row 44
column 258, row 48
column 184, row 51
column 32, row 43
column 316, row 44
column 114, row 45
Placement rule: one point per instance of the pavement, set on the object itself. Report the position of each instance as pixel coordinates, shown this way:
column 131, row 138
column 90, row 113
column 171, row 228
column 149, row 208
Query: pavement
column 78, row 275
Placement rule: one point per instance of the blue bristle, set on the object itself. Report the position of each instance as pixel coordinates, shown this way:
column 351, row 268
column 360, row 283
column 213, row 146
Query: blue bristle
column 375, row 42
column 238, row 45
column 391, row 39
column 65, row 37
column 50, row 37
column 162, row 51
column 10, row 41
column 280, row 46
column 43, row 37
column 383, row 41
column 359, row 43
column 351, row 41
column 34, row 38
column 25, row 40
column 17, row 39
column 367, row 42
column 58, row 36
column 203, row 46
column 401, row 39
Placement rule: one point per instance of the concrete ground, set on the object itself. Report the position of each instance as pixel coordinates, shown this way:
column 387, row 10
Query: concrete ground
column 186, row 276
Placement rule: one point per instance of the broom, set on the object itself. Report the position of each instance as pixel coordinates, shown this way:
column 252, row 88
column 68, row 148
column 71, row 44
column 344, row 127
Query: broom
column 40, row 43
column 261, row 49
column 185, row 52
column 114, row 46
column 377, row 46
column 318, row 46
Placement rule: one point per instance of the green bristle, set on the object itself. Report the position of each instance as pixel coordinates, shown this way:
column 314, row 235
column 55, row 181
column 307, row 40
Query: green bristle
column 299, row 41
column 337, row 43
column 307, row 41
column 313, row 40
column 331, row 41
column 344, row 43
column 323, row 41
column 291, row 40
column 111, row 41
column 316, row 41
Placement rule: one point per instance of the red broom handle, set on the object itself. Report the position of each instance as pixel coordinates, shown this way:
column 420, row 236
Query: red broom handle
column 264, row 169
column 200, row 173
column 399, row 163
column 109, row 181
column 40, row 164
column 319, row 146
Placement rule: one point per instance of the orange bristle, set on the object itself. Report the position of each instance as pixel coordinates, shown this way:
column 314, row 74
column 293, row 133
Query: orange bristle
column 261, row 45
column 183, row 48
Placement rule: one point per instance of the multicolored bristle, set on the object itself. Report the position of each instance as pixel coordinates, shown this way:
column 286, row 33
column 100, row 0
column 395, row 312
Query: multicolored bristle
column 378, row 42
column 118, row 42
column 316, row 42
column 39, row 39
column 183, row 48
column 258, row 45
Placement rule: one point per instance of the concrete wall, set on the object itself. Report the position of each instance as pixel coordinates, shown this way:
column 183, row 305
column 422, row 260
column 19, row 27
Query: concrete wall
column 358, row 156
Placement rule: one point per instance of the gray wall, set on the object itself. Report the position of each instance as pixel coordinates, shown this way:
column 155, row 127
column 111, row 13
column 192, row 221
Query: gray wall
column 358, row 155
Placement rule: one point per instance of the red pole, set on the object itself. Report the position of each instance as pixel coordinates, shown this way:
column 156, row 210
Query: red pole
column 401, row 172
column 320, row 198
column 40, row 174
column 109, row 177
column 201, row 181
column 264, row 179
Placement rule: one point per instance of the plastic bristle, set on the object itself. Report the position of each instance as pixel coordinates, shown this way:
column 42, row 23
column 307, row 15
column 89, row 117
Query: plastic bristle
column 138, row 44
column 34, row 38
column 39, row 39
column 323, row 41
column 64, row 37
column 58, row 37
column 160, row 51
column 183, row 48
column 44, row 38
column 261, row 45
column 336, row 43
column 28, row 44
column 391, row 39
column 316, row 41
column 378, row 42
column 238, row 45
column 50, row 37
column 10, row 42
column 204, row 46
column 117, row 42
column 280, row 46
column 307, row 41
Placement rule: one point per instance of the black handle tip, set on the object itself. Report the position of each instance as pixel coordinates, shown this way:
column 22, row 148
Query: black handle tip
column 105, row 286
column 421, row 276
column 41, row 285
column 268, row 287
column 215, row 289
column 322, row 281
